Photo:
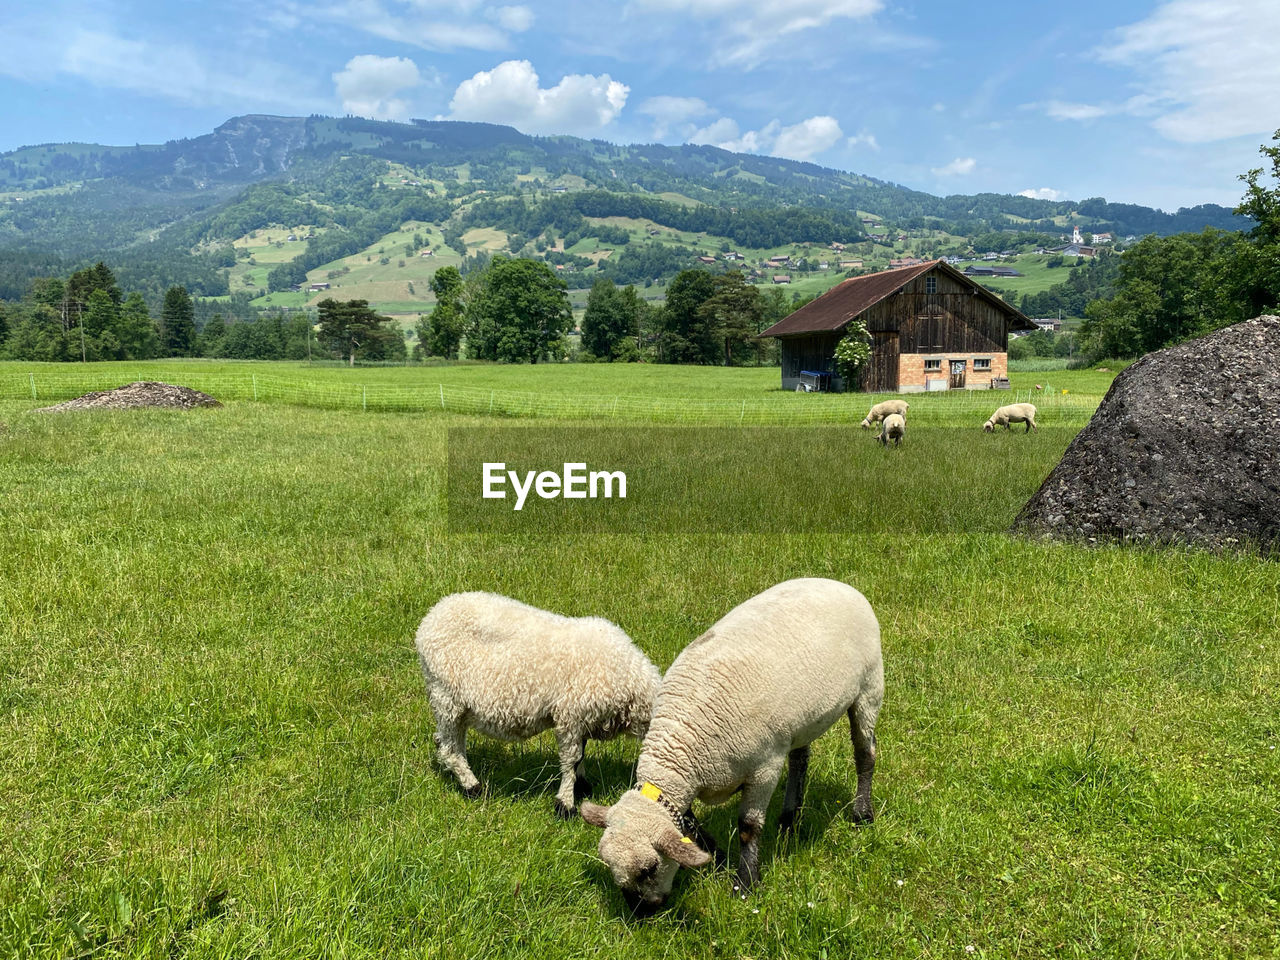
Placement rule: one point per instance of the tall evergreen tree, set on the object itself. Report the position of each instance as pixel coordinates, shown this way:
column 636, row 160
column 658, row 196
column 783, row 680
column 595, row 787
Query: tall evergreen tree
column 177, row 323
column 136, row 331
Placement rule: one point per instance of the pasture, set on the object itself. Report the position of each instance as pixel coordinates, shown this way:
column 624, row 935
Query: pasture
column 214, row 739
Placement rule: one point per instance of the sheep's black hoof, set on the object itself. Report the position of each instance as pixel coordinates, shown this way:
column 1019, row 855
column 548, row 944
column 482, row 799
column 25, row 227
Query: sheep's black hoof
column 787, row 822
column 565, row 812
column 581, row 788
column 473, row 792
column 862, row 815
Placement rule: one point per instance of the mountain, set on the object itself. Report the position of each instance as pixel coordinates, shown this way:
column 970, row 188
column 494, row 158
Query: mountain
column 183, row 211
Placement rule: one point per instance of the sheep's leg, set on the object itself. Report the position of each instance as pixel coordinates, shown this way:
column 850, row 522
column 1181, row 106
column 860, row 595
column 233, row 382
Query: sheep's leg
column 572, row 749
column 862, row 730
column 797, row 767
column 451, row 743
column 698, row 833
column 581, row 785
column 751, row 812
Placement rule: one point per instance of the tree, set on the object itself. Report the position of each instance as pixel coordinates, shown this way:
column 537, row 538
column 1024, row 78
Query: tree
column 177, row 323
column 516, row 310
column 347, row 326
column 136, row 331
column 611, row 322
column 440, row 333
column 687, row 336
column 98, row 328
column 733, row 313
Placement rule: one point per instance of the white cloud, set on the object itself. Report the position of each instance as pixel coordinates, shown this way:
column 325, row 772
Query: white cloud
column 1062, row 110
column 959, row 167
column 1207, row 66
column 1042, row 193
column 368, row 85
column 168, row 70
column 510, row 93
column 800, row 141
column 1201, row 66
column 807, row 138
column 517, row 19
column 750, row 29
column 676, row 113
column 864, row 139
column 431, row 24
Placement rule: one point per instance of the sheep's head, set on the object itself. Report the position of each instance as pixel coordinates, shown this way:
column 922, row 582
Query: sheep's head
column 642, row 848
column 866, row 422
column 989, row 426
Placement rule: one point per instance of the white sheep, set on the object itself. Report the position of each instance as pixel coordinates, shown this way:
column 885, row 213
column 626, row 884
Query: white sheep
column 883, row 409
column 754, row 690
column 1013, row 413
column 512, row 671
column 892, row 428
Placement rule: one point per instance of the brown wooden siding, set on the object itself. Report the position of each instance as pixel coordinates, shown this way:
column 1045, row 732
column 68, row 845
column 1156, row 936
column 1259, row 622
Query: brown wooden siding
column 952, row 319
column 881, row 375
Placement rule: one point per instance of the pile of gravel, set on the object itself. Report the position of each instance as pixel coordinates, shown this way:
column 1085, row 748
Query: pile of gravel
column 143, row 393
column 1185, row 448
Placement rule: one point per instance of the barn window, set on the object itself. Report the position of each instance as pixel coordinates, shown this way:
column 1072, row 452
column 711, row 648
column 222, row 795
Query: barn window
column 935, row 364
column 983, row 364
column 930, row 284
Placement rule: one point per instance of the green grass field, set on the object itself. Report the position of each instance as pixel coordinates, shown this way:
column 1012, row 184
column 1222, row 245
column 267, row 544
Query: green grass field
column 214, row 740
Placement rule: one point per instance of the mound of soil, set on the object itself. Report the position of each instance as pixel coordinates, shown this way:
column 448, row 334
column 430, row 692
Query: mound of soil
column 143, row 393
column 1185, row 448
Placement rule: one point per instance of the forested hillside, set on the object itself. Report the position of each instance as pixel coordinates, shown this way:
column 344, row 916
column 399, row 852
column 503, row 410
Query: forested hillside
column 184, row 212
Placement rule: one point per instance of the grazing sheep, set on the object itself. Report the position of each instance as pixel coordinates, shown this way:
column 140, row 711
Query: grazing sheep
column 754, row 690
column 893, row 428
column 512, row 671
column 883, row 409
column 1013, row 413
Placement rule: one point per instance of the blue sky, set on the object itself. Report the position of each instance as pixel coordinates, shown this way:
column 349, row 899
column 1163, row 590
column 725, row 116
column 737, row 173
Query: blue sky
column 1160, row 103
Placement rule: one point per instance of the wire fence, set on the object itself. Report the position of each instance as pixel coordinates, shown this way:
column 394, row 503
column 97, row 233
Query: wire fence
column 945, row 408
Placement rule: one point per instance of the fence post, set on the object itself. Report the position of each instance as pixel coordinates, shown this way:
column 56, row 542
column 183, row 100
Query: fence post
column 364, row 398
column 614, row 411
column 255, row 386
column 33, row 386
column 491, row 401
column 442, row 396
column 744, row 411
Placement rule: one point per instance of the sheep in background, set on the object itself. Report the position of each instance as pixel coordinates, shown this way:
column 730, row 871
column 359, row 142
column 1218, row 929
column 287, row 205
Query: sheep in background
column 883, row 409
column 893, row 428
column 512, row 671
column 752, row 692
column 1013, row 413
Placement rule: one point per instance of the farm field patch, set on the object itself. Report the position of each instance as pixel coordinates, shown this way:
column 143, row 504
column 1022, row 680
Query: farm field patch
column 215, row 741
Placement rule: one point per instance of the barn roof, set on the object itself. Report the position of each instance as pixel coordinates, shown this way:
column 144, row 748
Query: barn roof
column 835, row 308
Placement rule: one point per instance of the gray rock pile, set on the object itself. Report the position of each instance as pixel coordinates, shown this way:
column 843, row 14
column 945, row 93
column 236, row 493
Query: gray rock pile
column 1185, row 448
column 143, row 393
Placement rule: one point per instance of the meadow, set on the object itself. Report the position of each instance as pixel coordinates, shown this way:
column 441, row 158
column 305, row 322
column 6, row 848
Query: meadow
column 214, row 740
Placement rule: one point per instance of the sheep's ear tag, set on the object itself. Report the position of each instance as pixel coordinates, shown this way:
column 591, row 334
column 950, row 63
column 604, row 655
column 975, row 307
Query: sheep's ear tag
column 685, row 840
column 650, row 791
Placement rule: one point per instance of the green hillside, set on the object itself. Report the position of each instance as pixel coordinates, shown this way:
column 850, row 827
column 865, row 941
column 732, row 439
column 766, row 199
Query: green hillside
column 214, row 213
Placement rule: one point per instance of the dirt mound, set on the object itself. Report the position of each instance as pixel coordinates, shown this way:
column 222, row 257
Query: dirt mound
column 143, row 393
column 1185, row 448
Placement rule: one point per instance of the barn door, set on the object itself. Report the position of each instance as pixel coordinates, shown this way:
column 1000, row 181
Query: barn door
column 882, row 376
column 957, row 374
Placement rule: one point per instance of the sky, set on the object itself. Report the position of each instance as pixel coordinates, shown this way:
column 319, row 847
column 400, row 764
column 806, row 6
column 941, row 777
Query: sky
column 1162, row 103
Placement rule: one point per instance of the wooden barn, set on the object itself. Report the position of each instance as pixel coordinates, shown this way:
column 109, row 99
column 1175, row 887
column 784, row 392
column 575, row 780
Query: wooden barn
column 932, row 328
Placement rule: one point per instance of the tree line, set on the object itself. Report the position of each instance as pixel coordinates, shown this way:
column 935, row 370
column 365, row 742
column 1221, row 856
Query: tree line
column 518, row 311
